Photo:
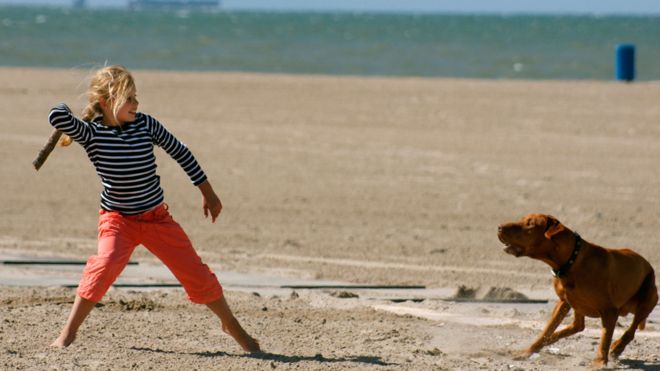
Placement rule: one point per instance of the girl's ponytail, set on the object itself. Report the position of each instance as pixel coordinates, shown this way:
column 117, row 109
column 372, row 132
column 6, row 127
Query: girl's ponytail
column 65, row 140
column 91, row 111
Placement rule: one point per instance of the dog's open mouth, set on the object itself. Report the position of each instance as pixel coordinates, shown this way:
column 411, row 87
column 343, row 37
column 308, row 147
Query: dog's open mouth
column 513, row 250
column 510, row 248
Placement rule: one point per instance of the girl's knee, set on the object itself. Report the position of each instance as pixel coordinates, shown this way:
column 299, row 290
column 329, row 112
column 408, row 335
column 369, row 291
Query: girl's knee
column 205, row 295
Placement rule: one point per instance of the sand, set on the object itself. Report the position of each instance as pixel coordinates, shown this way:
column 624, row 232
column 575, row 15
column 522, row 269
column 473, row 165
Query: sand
column 389, row 181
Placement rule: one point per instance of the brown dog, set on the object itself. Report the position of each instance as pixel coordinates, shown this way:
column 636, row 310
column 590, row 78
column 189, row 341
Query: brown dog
column 594, row 281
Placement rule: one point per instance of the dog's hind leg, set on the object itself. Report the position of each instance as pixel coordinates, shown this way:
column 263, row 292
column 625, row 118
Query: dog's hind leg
column 647, row 299
column 626, row 338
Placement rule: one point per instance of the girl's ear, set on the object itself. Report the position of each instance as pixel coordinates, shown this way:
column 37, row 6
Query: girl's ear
column 103, row 103
column 552, row 227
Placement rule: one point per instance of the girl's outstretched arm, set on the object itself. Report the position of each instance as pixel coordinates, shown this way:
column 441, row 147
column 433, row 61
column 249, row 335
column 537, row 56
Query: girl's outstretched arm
column 210, row 201
column 179, row 152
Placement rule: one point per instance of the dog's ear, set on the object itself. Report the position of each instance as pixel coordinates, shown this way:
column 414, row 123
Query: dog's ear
column 552, row 227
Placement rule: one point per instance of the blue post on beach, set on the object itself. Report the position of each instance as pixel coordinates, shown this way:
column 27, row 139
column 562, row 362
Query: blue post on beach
column 625, row 62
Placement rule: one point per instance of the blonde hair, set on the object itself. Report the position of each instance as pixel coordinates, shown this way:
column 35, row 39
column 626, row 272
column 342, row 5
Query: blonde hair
column 112, row 84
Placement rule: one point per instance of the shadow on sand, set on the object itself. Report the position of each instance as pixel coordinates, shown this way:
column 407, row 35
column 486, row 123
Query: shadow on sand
column 370, row 360
column 634, row 364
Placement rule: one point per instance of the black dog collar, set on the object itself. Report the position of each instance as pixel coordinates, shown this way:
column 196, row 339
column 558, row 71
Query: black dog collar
column 566, row 266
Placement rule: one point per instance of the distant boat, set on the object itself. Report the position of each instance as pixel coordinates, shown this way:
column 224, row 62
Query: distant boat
column 174, row 4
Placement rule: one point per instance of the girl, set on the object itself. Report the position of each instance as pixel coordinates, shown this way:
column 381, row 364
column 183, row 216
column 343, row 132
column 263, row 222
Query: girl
column 119, row 141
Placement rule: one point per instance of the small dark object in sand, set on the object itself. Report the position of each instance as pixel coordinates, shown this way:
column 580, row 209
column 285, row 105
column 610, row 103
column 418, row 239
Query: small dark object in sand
column 493, row 294
column 344, row 294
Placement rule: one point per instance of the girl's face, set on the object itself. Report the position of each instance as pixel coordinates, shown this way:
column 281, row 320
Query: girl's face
column 126, row 112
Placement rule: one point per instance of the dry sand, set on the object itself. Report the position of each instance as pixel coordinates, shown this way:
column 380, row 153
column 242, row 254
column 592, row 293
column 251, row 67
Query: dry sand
column 361, row 180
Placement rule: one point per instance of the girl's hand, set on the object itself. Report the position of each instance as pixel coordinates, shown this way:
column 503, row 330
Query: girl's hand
column 211, row 203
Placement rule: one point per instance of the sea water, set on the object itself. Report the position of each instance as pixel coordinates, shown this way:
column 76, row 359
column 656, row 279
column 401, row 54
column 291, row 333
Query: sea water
column 464, row 46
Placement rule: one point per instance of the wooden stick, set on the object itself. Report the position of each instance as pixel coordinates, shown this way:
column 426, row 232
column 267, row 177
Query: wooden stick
column 47, row 149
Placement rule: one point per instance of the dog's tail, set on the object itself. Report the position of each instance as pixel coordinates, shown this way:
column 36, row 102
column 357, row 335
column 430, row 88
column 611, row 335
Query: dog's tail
column 647, row 289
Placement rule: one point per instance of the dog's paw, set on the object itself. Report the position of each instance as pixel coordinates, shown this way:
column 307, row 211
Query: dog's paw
column 521, row 355
column 598, row 364
column 616, row 349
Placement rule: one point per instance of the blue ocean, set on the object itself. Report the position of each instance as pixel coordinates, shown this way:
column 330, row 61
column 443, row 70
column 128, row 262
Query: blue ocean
column 379, row 44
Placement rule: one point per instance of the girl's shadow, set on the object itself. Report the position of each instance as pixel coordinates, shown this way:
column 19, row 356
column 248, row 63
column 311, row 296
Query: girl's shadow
column 371, row 360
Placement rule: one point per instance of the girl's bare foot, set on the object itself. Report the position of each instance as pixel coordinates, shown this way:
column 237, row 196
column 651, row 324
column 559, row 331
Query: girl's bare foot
column 250, row 344
column 231, row 326
column 247, row 342
column 63, row 341
column 79, row 311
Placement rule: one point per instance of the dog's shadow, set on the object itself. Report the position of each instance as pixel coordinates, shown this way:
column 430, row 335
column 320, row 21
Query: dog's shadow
column 631, row 364
column 370, row 360
column 634, row 364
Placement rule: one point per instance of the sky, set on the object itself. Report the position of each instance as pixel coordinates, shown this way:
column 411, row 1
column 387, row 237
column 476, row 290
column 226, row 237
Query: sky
column 637, row 7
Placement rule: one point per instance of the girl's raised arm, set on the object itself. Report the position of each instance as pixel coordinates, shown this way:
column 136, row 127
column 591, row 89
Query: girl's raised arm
column 62, row 118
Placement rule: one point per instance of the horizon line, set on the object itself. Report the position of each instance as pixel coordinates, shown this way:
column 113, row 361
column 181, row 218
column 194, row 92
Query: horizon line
column 355, row 11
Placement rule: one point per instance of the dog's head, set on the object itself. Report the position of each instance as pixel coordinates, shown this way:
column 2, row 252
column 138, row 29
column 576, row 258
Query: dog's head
column 535, row 236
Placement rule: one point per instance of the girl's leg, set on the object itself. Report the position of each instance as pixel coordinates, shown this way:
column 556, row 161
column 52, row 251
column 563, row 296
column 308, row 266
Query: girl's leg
column 80, row 310
column 167, row 240
column 116, row 243
column 231, row 326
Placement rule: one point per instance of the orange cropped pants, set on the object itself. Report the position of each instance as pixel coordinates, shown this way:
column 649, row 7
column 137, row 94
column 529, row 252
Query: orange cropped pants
column 119, row 235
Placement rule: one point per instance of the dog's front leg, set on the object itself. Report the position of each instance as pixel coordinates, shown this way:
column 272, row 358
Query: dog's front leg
column 573, row 328
column 558, row 314
column 608, row 319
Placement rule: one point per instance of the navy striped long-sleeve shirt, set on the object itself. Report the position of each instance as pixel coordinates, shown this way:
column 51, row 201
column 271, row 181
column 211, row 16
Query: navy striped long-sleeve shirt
column 124, row 158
